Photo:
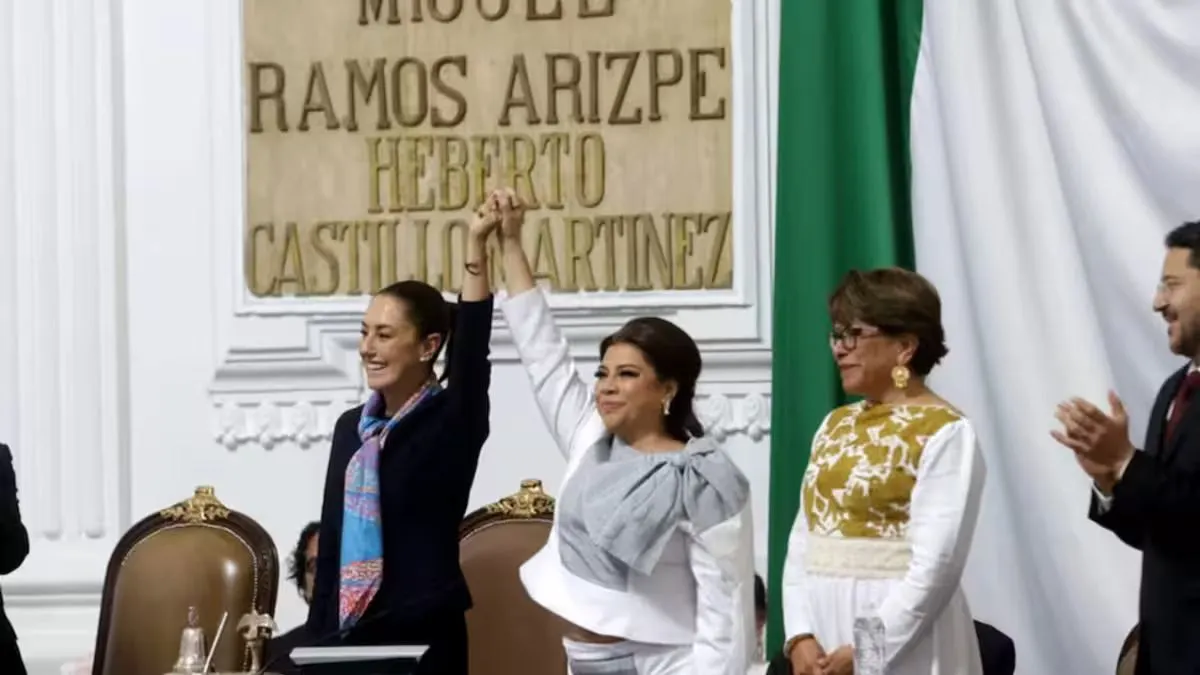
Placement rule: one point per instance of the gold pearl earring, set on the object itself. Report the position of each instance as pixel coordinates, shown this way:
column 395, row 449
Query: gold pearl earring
column 900, row 377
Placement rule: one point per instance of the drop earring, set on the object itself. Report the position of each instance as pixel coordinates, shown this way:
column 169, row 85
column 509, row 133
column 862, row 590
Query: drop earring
column 666, row 407
column 900, row 377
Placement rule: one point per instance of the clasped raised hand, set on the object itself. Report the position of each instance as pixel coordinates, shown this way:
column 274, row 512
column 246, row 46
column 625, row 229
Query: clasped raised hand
column 512, row 213
column 486, row 218
column 503, row 210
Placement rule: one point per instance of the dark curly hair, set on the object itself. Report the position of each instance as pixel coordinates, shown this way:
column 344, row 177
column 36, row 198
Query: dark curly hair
column 1186, row 236
column 298, row 560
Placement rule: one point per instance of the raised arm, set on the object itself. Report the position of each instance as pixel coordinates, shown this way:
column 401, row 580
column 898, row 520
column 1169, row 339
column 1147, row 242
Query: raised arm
column 470, row 374
column 14, row 539
column 945, row 507
column 565, row 400
column 477, row 285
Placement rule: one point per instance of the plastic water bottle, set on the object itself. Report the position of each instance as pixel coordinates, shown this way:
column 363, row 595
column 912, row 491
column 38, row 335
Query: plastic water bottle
column 869, row 645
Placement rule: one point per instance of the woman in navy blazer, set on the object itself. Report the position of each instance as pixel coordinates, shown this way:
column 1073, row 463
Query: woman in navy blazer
column 401, row 469
column 14, row 546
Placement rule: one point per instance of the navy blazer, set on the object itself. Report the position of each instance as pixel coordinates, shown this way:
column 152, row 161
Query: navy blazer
column 14, row 546
column 427, row 467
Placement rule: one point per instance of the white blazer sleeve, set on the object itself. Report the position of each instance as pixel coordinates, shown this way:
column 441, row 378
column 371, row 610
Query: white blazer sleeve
column 797, row 617
column 565, row 400
column 722, row 560
column 944, row 509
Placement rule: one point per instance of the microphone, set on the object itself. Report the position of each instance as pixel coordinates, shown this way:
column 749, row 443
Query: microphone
column 332, row 636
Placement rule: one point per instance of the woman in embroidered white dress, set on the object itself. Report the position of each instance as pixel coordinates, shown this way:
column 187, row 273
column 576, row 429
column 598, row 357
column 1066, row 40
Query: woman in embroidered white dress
column 890, row 497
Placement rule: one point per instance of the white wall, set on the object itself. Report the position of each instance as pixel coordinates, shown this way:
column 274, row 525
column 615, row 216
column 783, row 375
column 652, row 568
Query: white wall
column 135, row 367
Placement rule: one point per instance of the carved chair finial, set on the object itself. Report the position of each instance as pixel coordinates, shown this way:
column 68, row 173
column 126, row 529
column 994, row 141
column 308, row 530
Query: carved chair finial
column 530, row 501
column 202, row 507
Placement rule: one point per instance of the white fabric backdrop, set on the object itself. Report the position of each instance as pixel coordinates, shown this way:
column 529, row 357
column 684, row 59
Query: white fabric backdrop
column 1054, row 143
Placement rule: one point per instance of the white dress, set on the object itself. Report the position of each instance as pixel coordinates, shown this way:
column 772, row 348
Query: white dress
column 888, row 510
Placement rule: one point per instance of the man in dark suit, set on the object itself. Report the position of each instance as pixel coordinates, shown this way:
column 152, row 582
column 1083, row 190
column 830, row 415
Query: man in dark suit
column 1150, row 498
column 14, row 546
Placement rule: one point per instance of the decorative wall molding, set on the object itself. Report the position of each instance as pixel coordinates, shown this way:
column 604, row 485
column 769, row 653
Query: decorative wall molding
column 63, row 407
column 308, row 421
column 725, row 415
column 310, row 354
column 269, row 423
column 321, row 352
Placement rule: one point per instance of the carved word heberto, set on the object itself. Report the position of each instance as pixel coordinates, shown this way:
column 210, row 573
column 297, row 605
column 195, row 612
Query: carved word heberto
column 375, row 127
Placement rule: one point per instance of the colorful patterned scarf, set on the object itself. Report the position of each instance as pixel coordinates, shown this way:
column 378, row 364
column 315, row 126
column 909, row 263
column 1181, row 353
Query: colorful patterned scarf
column 362, row 528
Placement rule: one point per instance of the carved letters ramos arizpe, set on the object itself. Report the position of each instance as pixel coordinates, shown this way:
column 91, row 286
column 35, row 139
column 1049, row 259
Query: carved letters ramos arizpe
column 374, row 128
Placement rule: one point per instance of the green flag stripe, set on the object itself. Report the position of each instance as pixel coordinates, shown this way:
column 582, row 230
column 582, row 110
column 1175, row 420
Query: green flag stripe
column 845, row 80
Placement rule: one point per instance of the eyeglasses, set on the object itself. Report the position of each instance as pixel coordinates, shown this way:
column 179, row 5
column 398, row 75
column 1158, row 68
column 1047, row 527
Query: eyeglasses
column 848, row 337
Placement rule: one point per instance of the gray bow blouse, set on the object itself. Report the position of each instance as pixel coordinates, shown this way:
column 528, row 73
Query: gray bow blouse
column 620, row 508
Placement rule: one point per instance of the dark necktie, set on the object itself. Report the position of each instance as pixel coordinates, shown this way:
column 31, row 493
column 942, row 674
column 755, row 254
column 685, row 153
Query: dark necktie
column 1183, row 399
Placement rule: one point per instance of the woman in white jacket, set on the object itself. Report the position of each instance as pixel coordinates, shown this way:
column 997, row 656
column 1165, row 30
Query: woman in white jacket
column 650, row 557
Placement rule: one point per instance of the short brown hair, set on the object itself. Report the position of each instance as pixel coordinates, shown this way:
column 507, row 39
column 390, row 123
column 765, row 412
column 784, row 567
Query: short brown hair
column 897, row 302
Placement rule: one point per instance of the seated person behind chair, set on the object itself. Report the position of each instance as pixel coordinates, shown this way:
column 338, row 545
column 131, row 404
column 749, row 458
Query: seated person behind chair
column 302, row 567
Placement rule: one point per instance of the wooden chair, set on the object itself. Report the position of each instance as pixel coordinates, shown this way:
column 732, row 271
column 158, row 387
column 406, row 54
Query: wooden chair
column 508, row 632
column 197, row 553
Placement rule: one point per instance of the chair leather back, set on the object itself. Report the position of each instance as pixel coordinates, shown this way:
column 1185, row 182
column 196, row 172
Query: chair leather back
column 509, row 632
column 197, row 553
column 1127, row 661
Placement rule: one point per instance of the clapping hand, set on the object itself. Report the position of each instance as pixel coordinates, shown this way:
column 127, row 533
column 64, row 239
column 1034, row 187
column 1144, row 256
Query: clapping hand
column 1100, row 441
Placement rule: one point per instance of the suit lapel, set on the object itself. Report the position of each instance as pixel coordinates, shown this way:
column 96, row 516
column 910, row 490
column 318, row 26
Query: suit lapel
column 1158, row 416
column 1187, row 426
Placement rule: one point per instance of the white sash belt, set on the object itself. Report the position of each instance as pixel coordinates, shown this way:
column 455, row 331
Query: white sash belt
column 856, row 557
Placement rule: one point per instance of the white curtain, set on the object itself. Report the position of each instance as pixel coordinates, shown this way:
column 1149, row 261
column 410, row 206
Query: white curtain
column 1054, row 144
